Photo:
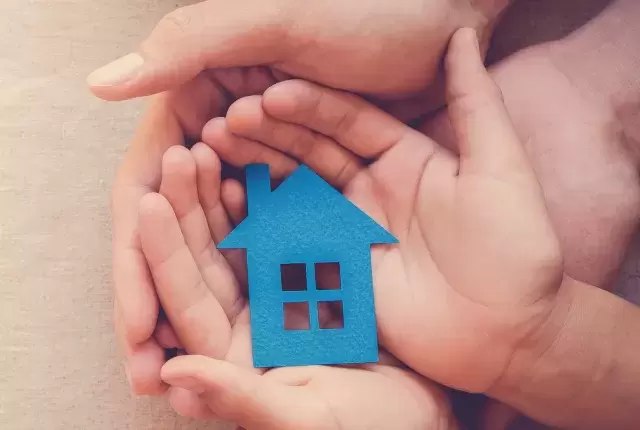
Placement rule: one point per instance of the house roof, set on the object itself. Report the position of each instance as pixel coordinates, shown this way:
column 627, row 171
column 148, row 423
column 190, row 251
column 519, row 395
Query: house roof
column 305, row 212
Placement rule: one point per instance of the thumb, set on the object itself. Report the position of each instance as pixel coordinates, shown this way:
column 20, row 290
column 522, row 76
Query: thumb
column 487, row 141
column 235, row 394
column 211, row 34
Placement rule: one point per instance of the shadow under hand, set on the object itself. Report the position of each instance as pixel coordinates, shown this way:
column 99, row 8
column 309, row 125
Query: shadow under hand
column 530, row 22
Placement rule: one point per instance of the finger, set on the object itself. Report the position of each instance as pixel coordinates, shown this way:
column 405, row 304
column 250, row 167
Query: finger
column 239, row 151
column 195, row 314
column 134, row 291
column 208, row 171
column 179, row 186
column 209, row 190
column 332, row 161
column 210, row 34
column 166, row 336
column 355, row 124
column 242, row 396
column 189, row 404
column 143, row 361
column 487, row 141
column 234, row 200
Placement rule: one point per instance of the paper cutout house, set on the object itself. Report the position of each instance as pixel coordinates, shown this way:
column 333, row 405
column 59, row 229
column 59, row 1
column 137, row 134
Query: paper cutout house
column 306, row 221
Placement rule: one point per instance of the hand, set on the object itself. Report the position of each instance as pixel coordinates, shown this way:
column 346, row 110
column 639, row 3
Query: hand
column 478, row 263
column 172, row 119
column 205, row 303
column 375, row 47
column 326, row 44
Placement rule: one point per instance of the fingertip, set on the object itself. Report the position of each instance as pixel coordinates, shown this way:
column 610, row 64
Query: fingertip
column 284, row 98
column 206, row 158
column 467, row 78
column 178, row 160
column 214, row 130
column 244, row 114
column 152, row 204
column 144, row 366
column 179, row 370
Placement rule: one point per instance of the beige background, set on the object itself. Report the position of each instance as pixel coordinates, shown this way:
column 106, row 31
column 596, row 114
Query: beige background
column 59, row 149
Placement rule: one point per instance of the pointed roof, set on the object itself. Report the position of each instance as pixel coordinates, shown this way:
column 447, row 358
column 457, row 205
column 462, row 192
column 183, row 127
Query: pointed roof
column 305, row 212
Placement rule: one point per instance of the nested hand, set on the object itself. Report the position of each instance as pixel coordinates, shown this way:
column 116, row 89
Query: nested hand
column 202, row 292
column 478, row 262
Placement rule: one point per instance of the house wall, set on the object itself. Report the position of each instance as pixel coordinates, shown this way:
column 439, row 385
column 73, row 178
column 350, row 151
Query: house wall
column 356, row 342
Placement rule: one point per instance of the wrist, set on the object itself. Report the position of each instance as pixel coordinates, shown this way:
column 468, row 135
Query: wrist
column 579, row 369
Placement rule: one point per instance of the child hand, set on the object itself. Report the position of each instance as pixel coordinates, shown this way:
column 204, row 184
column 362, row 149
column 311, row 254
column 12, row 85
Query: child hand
column 478, row 263
column 205, row 303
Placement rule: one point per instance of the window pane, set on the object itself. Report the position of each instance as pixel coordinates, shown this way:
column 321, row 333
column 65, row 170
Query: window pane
column 293, row 277
column 296, row 316
column 330, row 314
column 327, row 276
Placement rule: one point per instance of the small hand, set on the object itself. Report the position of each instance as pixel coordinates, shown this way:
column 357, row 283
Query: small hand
column 172, row 119
column 206, row 304
column 478, row 263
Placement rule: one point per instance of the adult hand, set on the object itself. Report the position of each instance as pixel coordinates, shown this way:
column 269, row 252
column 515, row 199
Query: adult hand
column 579, row 145
column 374, row 47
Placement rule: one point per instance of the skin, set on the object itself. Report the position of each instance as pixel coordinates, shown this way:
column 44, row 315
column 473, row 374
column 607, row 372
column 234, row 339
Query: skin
column 205, row 304
column 560, row 363
column 432, row 274
column 186, row 54
column 184, row 111
column 573, row 122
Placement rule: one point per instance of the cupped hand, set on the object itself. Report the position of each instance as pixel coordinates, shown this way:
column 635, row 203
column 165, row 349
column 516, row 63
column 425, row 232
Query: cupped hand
column 205, row 301
column 478, row 263
column 172, row 119
column 392, row 53
column 375, row 47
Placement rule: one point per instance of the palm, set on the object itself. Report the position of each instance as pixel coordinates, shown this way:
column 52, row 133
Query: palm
column 446, row 225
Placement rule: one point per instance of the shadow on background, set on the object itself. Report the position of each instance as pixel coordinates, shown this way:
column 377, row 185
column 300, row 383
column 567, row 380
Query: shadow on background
column 530, row 22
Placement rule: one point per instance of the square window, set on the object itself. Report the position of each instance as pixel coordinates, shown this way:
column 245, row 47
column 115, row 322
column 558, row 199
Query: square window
column 327, row 276
column 330, row 315
column 293, row 277
column 296, row 316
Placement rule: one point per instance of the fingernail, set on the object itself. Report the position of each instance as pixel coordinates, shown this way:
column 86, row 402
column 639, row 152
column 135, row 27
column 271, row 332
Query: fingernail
column 116, row 72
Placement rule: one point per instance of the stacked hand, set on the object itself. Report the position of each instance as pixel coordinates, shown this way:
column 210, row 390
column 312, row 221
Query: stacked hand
column 185, row 54
column 595, row 219
column 474, row 236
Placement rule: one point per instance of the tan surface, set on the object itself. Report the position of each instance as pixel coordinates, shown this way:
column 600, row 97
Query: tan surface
column 59, row 148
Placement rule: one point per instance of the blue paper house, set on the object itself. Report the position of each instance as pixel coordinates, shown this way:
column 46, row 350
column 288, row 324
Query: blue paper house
column 306, row 222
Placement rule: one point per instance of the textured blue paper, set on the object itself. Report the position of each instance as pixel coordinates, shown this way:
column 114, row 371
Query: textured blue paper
column 307, row 221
